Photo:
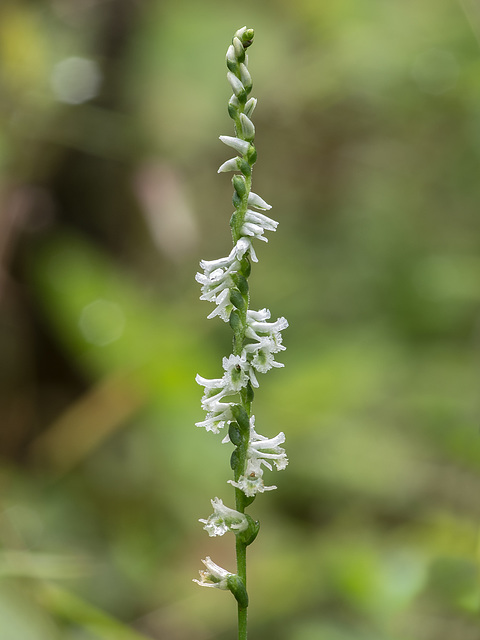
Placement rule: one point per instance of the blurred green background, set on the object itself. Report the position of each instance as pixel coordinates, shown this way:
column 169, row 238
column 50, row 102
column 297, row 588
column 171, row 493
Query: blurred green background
column 368, row 133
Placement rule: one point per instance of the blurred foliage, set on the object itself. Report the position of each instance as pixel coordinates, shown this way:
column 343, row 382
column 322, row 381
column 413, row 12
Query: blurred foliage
column 368, row 131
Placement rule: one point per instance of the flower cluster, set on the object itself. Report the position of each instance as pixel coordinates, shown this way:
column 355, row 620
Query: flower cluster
column 257, row 339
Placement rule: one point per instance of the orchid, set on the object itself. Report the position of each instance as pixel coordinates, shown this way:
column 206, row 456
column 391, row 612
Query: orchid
column 228, row 399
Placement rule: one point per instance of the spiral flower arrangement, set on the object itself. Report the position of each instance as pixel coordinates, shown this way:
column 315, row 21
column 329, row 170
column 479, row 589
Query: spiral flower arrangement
column 256, row 342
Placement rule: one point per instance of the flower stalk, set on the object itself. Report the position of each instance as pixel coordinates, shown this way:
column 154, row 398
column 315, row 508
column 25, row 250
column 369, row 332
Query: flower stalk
column 228, row 399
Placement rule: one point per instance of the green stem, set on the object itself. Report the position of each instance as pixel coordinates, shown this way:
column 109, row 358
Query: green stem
column 241, row 550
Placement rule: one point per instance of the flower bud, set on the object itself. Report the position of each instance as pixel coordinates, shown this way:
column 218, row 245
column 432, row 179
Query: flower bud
column 248, row 128
column 250, row 107
column 244, row 167
column 239, row 185
column 238, row 49
column 251, row 154
column 231, row 59
column 236, row 84
column 246, row 78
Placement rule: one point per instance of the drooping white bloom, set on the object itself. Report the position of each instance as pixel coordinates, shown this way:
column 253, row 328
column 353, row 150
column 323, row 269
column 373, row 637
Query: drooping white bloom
column 254, row 327
column 224, row 519
column 260, row 451
column 214, row 576
column 255, row 200
column 261, row 219
column 216, row 420
column 264, row 449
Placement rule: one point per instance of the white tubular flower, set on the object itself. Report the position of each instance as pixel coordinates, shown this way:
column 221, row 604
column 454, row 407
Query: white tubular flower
column 216, row 420
column 255, row 200
column 259, row 218
column 215, row 390
column 214, row 576
column 243, row 245
column 251, row 482
column 264, row 449
column 269, row 328
column 224, row 306
column 241, row 146
column 264, row 360
column 236, row 372
column 224, row 519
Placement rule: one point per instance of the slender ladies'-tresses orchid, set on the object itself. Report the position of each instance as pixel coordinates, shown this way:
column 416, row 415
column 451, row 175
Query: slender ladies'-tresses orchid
column 228, row 399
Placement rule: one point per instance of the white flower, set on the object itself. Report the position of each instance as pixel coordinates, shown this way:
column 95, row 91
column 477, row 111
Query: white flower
column 263, row 360
column 255, row 200
column 263, row 449
column 224, row 519
column 236, row 372
column 214, row 576
column 251, row 482
column 236, row 143
column 261, row 219
column 216, row 420
column 243, row 245
column 260, row 451
column 255, row 327
column 224, row 306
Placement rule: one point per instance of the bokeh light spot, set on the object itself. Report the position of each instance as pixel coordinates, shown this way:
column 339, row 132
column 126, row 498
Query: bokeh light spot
column 76, row 80
column 102, row 322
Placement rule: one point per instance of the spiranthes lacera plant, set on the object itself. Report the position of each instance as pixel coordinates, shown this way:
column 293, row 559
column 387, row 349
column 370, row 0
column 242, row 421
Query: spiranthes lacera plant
column 256, row 342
